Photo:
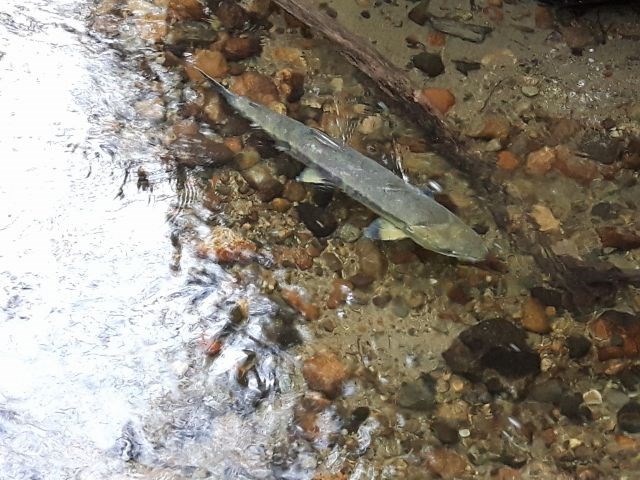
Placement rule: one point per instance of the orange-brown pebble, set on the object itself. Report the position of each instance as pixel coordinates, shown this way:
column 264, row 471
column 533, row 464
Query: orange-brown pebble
column 233, row 143
column 506, row 473
column 227, row 246
column 446, row 463
column 507, row 160
column 211, row 62
column 543, row 16
column 290, row 84
column 494, row 14
column 439, row 99
column 621, row 330
column 214, row 348
column 325, row 373
column 280, row 204
column 257, row 87
column 231, row 15
column 493, row 126
column 534, row 317
column 294, row 191
column 239, row 48
column 295, row 299
column 179, row 10
column 541, row 161
column 494, row 3
column 625, row 442
column 582, row 170
column 331, row 476
column 339, row 292
column 436, row 39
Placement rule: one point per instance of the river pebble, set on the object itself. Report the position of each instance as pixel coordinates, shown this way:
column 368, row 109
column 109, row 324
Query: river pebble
column 534, row 316
column 447, row 464
column 429, row 63
column 260, row 178
column 318, row 220
column 419, row 394
column 239, row 48
column 325, row 372
column 577, row 346
column 629, row 417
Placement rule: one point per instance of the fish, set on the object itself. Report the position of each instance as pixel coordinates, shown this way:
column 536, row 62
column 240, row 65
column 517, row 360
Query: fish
column 403, row 209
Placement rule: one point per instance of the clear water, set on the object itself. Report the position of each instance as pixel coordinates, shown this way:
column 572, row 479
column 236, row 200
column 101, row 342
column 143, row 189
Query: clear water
column 102, row 370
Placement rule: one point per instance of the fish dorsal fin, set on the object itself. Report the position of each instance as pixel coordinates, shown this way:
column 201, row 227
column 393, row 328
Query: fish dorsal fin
column 311, row 175
column 381, row 229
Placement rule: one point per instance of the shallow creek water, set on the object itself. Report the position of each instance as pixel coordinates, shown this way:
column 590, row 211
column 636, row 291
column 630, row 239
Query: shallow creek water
column 97, row 330
column 174, row 304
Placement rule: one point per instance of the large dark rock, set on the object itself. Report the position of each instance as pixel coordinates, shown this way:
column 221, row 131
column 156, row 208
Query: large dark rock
column 496, row 346
column 629, row 417
column 317, row 219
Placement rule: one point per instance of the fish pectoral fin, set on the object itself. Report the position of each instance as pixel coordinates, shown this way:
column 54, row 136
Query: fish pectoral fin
column 381, row 229
column 311, row 175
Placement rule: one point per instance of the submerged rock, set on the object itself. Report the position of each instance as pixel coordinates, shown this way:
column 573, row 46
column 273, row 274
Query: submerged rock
column 419, row 394
column 496, row 344
column 618, row 237
column 239, row 48
column 325, row 373
column 577, row 346
column 619, row 334
column 629, row 417
column 261, row 179
column 447, row 464
column 318, row 220
column 429, row 63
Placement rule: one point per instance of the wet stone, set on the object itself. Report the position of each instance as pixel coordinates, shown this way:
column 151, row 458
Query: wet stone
column 318, row 220
column 618, row 334
column 231, row 15
column 606, row 210
column 601, row 147
column 191, row 33
column 371, row 261
column 348, row 233
column 321, row 195
column 534, row 317
column 429, row 63
column 629, row 417
column 358, row 415
column 578, row 346
column 618, row 237
column 399, row 307
column 419, row 394
column 294, row 191
column 381, row 300
column 260, row 178
column 447, row 464
column 239, row 48
column 420, row 13
column 465, row 67
column 570, row 406
column 497, row 344
column 325, row 373
column 549, row 391
column 445, row 432
column 247, row 159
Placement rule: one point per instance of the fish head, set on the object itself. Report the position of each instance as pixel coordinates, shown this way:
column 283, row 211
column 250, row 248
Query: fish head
column 456, row 240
